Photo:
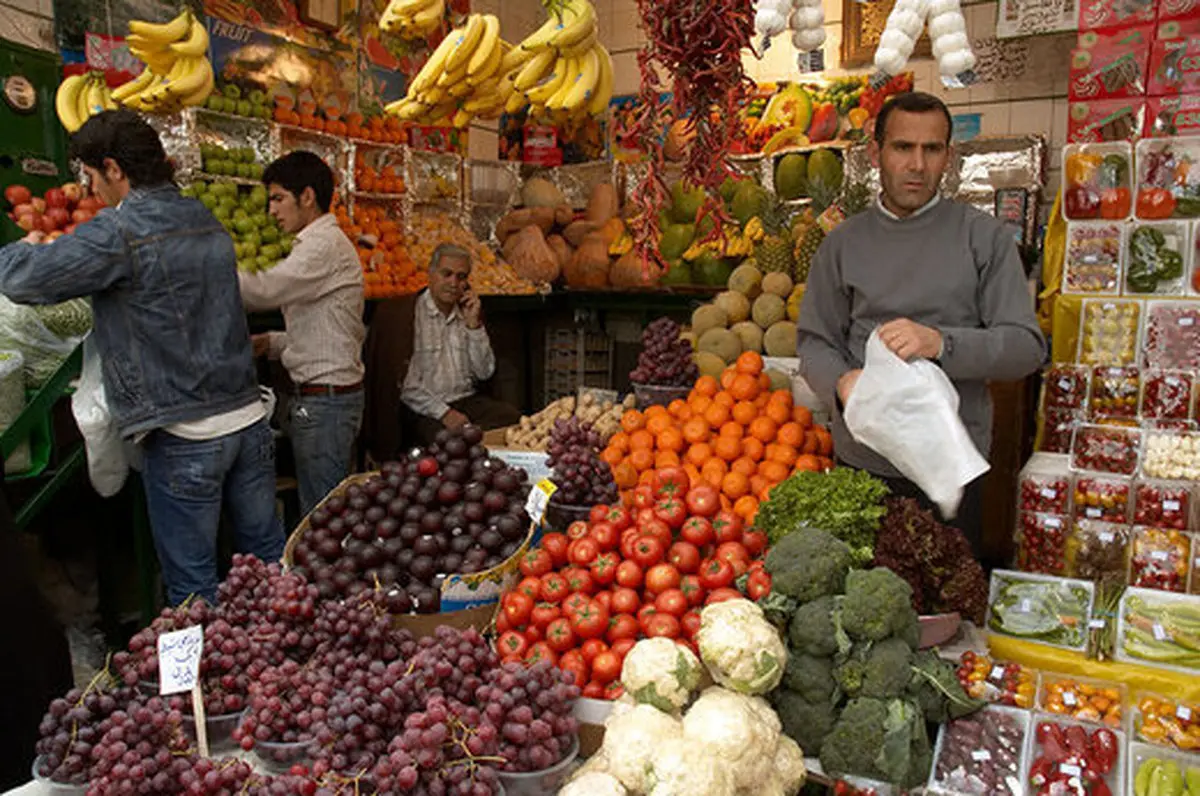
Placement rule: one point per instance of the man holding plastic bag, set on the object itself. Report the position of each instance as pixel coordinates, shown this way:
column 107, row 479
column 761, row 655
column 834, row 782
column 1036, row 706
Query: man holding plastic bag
column 915, row 280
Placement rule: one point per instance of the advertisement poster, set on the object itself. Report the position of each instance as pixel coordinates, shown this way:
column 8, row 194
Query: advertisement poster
column 576, row 141
column 622, row 118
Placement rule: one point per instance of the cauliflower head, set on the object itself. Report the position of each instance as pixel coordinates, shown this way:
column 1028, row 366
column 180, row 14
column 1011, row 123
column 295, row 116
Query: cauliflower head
column 682, row 767
column 736, row 729
column 630, row 739
column 789, row 765
column 594, row 783
column 659, row 672
column 742, row 650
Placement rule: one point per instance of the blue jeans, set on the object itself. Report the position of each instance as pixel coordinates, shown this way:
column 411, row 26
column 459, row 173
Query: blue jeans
column 323, row 429
column 188, row 482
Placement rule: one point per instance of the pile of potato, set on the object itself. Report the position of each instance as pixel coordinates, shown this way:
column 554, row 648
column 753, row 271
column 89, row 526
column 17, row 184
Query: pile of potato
column 533, row 432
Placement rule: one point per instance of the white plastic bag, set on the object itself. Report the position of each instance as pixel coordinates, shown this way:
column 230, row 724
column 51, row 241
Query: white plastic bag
column 21, row 329
column 908, row 413
column 108, row 461
column 12, row 402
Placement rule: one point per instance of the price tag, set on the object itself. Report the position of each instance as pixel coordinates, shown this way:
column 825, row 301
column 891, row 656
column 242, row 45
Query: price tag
column 1171, row 505
column 1025, row 606
column 1053, row 522
column 981, row 755
column 179, row 660
column 1160, row 555
column 1093, row 512
column 1096, row 624
column 1106, row 537
column 539, row 496
column 1184, row 713
column 1187, row 320
column 1069, row 699
column 1049, row 494
column 1071, row 770
column 1066, row 385
column 997, row 674
column 1160, row 633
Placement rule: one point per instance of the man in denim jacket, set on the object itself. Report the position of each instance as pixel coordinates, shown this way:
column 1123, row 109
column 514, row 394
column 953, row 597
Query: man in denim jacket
column 169, row 327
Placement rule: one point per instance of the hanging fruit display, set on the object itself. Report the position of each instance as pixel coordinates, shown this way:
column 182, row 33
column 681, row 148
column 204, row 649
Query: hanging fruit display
column 81, row 97
column 947, row 29
column 178, row 73
column 412, row 19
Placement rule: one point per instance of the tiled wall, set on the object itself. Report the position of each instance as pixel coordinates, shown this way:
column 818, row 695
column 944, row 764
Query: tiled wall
column 28, row 22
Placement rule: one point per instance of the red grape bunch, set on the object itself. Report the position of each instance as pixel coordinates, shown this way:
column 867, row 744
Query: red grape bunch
column 141, row 747
column 72, row 727
column 533, row 707
column 582, row 477
column 665, row 360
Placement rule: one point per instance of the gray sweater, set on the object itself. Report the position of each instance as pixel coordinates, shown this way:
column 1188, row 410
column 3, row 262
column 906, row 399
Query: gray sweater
column 950, row 267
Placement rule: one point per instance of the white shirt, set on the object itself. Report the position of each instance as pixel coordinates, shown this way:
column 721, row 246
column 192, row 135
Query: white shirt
column 448, row 359
column 920, row 211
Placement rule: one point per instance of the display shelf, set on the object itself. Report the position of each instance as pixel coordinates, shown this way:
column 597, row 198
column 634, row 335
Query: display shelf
column 202, row 111
column 377, row 195
column 210, row 177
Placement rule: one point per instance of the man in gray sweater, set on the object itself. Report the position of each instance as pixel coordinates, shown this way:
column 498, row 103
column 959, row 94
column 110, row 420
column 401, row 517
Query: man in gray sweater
column 940, row 280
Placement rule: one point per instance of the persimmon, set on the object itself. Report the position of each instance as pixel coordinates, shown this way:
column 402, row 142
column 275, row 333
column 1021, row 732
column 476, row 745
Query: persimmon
column 744, row 387
column 698, row 454
column 696, row 430
column 632, row 420
column 753, row 448
column 744, row 412
column 744, row 465
column 749, row 362
column 791, row 433
column 641, row 440
column 716, row 415
column 664, row 459
column 669, row 439
column 731, row 429
column 808, row 462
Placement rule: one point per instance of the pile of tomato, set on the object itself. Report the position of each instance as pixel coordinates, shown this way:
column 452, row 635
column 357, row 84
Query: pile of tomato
column 586, row 596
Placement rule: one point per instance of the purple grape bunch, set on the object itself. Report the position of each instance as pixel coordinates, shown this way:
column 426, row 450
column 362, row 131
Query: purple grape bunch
column 582, row 477
column 665, row 360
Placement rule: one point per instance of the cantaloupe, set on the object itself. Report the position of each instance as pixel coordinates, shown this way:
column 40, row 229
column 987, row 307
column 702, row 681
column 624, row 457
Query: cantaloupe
column 708, row 316
column 768, row 309
column 747, row 280
column 721, row 342
column 750, row 334
column 540, row 192
column 735, row 304
column 779, row 379
column 780, row 339
column 778, row 283
column 709, row 364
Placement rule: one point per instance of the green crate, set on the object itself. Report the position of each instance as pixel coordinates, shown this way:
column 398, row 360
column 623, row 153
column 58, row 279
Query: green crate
column 41, row 445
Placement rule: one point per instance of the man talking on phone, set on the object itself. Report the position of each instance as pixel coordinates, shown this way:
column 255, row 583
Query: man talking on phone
column 451, row 354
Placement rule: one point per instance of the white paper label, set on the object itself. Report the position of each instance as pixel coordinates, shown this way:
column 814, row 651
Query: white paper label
column 1065, row 385
column 1160, row 555
column 1096, row 624
column 1069, row 699
column 1187, row 320
column 997, row 673
column 179, row 659
column 1093, row 512
column 1053, row 522
column 1184, row 713
column 1171, row 505
column 1049, row 494
column 981, row 755
column 1071, row 770
column 1106, row 537
column 539, row 496
column 1160, row 633
column 1025, row 606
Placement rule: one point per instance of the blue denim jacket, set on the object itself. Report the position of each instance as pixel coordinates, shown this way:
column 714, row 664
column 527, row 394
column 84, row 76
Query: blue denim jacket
column 169, row 322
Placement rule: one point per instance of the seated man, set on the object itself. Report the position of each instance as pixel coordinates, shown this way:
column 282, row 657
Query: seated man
column 451, row 354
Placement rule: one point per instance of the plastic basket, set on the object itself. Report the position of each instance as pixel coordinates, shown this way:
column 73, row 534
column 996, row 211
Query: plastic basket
column 46, row 785
column 541, row 783
column 655, row 395
column 278, row 757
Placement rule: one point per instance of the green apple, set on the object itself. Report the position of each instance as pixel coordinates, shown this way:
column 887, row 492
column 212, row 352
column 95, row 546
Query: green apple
column 259, row 194
column 209, row 201
column 242, row 170
column 271, row 251
column 256, row 171
column 260, row 219
column 253, row 237
column 215, row 102
column 264, row 113
column 286, row 242
column 222, row 212
column 257, row 97
column 231, row 91
column 270, row 234
column 264, row 261
column 243, row 225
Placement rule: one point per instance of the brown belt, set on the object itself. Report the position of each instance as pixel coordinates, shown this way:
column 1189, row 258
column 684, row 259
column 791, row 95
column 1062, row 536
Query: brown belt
column 328, row 389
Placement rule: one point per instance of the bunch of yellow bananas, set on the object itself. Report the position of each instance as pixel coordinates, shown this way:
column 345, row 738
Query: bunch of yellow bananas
column 178, row 72
column 412, row 19
column 561, row 70
column 81, row 97
column 463, row 78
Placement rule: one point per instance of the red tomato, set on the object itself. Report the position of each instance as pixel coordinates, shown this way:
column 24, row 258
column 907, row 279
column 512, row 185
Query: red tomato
column 621, row 647
column 662, row 626
column 517, row 606
column 593, row 690
column 735, row 554
column 536, row 563
column 629, row 575
column 604, row 568
column 591, row 621
column 715, row 574
column 512, row 659
column 692, row 590
column 758, row 585
column 671, row 602
column 533, row 634
column 591, row 648
column 625, row 601
column 620, row 517
column 573, row 663
column 645, row 614
column 657, row 529
column 629, row 538
column 559, row 635
column 511, row 643
column 755, row 543
column 579, row 580
column 648, row 551
column 597, row 513
column 577, row 530
column 643, row 497
column 556, row 545
column 685, row 556
column 661, row 577
column 541, row 652
column 543, row 614
column 502, row 623
column 530, row 586
column 689, row 623
column 727, row 526
column 574, row 603
column 554, row 588
column 605, row 599
column 671, row 482
column 703, row 500
column 622, row 627
column 583, row 551
column 614, row 690
column 698, row 531
column 606, row 668
column 672, row 511
column 606, row 535
column 723, row 594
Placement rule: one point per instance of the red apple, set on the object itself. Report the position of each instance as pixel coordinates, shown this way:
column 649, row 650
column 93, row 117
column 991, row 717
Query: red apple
column 24, row 209
column 91, row 204
column 39, row 204
column 29, row 221
column 59, row 215
column 80, row 216
column 73, row 191
column 17, row 195
column 56, row 198
column 70, row 228
column 47, row 225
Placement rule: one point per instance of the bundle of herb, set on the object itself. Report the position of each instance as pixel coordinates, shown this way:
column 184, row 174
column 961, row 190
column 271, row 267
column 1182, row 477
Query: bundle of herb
column 845, row 502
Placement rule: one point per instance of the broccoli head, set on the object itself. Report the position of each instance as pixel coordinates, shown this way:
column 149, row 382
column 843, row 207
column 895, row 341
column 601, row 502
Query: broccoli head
column 808, row 564
column 806, row 723
column 815, row 628
column 810, row 677
column 883, row 740
column 934, row 687
column 877, row 605
column 886, row 672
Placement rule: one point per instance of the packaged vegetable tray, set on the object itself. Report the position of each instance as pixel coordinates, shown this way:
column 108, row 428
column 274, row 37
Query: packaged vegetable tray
column 1108, row 332
column 1171, row 339
column 1098, row 550
column 1042, row 608
column 1083, row 698
column 1164, row 504
column 1106, row 449
column 1156, row 259
column 1095, row 258
column 1042, row 542
column 1104, row 498
column 1066, row 387
column 1167, row 394
column 1160, row 559
column 1115, row 392
column 1168, row 184
column 981, row 754
column 1045, row 484
column 1153, row 770
column 1067, row 756
column 1159, row 628
column 1172, row 455
column 1098, row 186
column 1166, row 722
column 1058, row 429
column 999, row 682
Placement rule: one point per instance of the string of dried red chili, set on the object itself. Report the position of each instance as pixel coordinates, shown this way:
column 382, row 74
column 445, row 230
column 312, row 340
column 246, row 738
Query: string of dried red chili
column 694, row 50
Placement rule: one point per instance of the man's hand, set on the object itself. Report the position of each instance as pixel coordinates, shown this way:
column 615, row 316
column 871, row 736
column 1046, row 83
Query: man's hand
column 909, row 340
column 37, row 236
column 454, row 419
column 261, row 344
column 472, row 309
column 846, row 383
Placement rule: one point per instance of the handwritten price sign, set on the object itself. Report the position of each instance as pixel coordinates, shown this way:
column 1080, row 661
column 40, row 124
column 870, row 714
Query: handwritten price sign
column 179, row 660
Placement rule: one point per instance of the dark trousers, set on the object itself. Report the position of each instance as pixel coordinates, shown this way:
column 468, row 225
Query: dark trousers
column 969, row 519
column 485, row 412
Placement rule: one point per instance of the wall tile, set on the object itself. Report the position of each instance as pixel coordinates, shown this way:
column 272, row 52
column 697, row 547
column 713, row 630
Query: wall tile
column 995, row 117
column 981, row 20
column 604, row 21
column 1032, row 117
column 484, row 141
column 1058, row 126
column 22, row 27
column 626, row 78
column 29, row 6
column 833, row 10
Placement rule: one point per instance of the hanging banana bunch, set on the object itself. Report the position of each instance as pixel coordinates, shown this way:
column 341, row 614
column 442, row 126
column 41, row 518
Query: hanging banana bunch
column 412, row 19
column 178, row 73
column 562, row 71
column 81, row 97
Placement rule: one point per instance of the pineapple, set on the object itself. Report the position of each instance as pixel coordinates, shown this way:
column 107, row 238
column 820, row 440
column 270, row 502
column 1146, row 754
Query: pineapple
column 808, row 234
column 774, row 253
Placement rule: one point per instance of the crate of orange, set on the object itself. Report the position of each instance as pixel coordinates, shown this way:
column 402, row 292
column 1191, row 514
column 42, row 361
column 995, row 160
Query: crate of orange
column 735, row 433
column 388, row 270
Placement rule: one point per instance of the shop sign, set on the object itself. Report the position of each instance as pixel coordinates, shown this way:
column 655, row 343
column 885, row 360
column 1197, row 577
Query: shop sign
column 540, row 146
column 1015, row 18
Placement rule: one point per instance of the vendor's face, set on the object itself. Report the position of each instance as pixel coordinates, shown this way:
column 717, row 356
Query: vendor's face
column 287, row 208
column 449, row 280
column 912, row 159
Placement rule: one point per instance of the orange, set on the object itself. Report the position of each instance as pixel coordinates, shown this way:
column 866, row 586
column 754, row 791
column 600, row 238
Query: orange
column 641, row 439
column 706, row 385
column 744, row 387
column 670, row 439
column 700, row 404
column 778, row 412
column 716, row 415
column 753, row 448
column 676, row 407
column 812, row 443
column 802, row 415
column 732, row 429
column 746, row 507
column 791, row 434
column 698, row 454
column 714, row 471
column 655, row 409
column 773, row 471
column 744, row 412
column 735, row 485
column 749, row 362
column 632, row 420
column 784, row 454
column 727, row 377
column 808, row 462
column 724, row 399
column 744, row 465
column 658, row 422
column 826, row 440
column 666, row 459
column 612, row 456
column 763, row 429
column 695, row 430
column 647, row 477
column 642, row 459
column 764, row 381
column 625, row 474
column 759, row 485
column 727, row 448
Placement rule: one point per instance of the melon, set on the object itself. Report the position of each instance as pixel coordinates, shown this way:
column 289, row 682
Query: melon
column 750, row 334
column 777, row 283
column 824, row 166
column 677, row 273
column 711, row 269
column 768, row 310
column 708, row 316
column 709, row 364
column 791, row 176
column 779, row 379
column 721, row 342
column 790, row 107
column 749, row 200
column 780, row 339
column 540, row 192
column 793, row 303
column 685, row 202
column 735, row 304
column 676, row 238
column 747, row 280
